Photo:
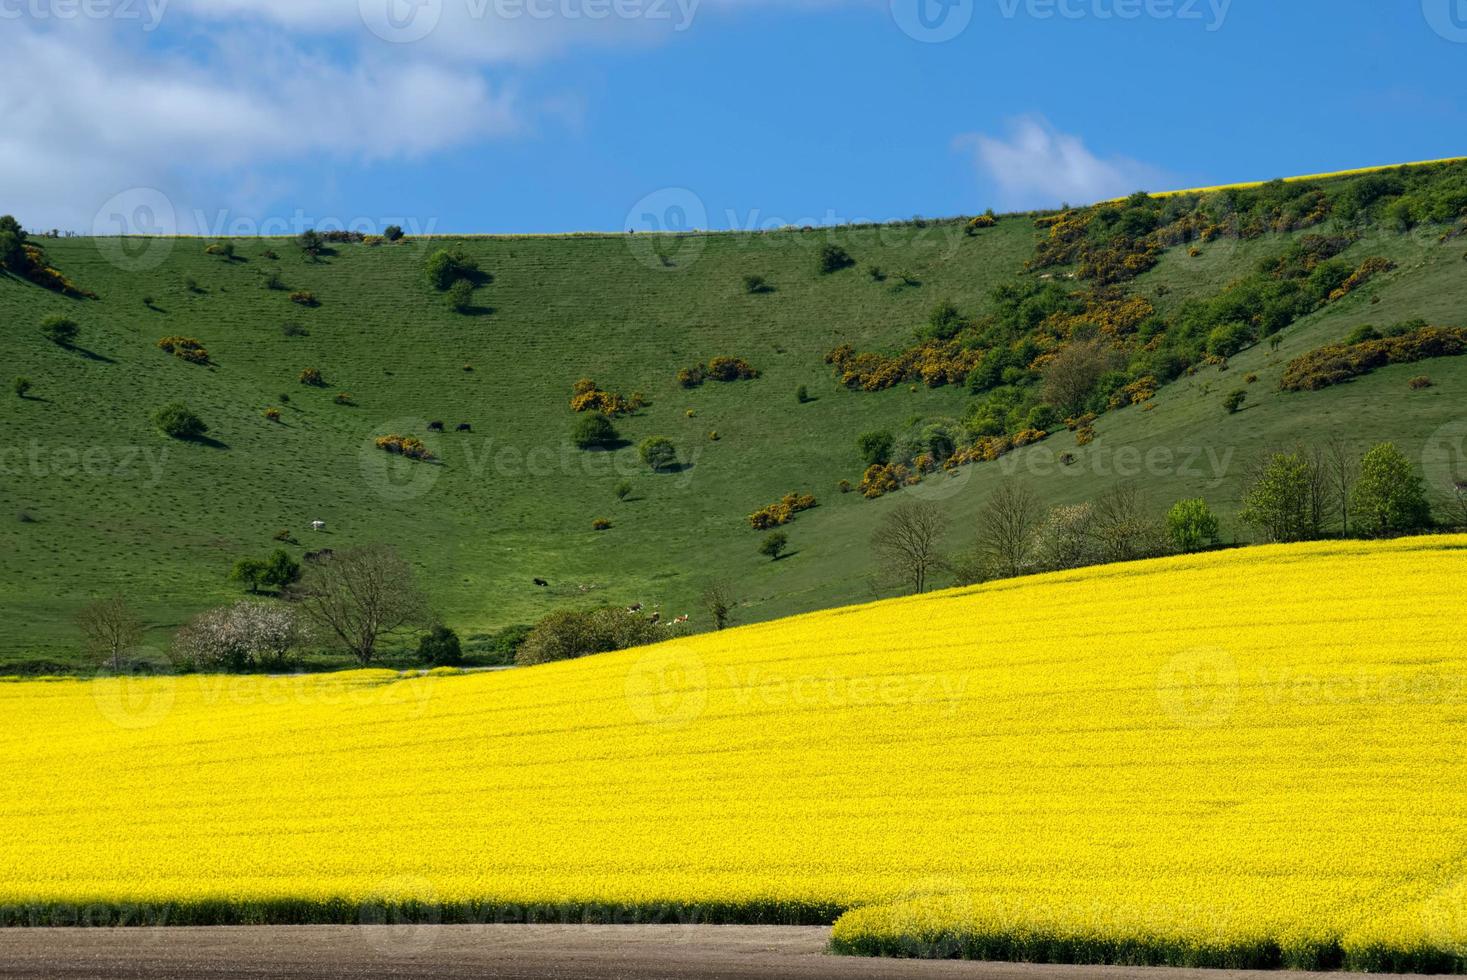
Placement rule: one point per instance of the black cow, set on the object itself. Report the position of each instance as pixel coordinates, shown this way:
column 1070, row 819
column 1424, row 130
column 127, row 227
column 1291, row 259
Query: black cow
column 542, row 583
column 465, row 427
column 435, row 426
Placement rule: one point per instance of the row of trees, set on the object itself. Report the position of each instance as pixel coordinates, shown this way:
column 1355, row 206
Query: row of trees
column 1302, row 494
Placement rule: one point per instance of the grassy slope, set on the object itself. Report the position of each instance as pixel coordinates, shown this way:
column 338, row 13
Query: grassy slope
column 485, row 524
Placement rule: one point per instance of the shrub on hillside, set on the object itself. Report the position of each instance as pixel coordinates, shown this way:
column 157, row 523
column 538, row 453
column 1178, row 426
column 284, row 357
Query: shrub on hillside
column 460, row 296
column 292, row 329
column 185, row 349
column 1389, row 497
column 755, row 284
column 781, row 512
column 305, row 297
column 272, row 414
column 601, row 524
column 440, row 647
column 60, row 330
column 571, row 634
column 832, row 258
column 1419, row 383
column 310, row 242
column 393, row 233
column 311, row 377
column 1233, row 403
column 177, row 421
column 409, row 446
column 594, row 431
column 21, row 386
column 344, row 398
column 444, row 268
column 774, row 545
column 658, row 452
column 1339, row 363
column 875, row 447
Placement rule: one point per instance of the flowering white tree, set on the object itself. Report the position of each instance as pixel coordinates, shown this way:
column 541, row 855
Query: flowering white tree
column 237, row 637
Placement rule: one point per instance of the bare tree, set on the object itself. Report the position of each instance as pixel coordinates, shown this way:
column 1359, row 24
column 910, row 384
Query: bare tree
column 1342, row 466
column 359, row 595
column 1322, row 498
column 1071, row 375
column 718, row 600
column 110, row 629
column 1122, row 529
column 1066, row 538
column 906, row 543
column 1006, row 530
column 1457, row 503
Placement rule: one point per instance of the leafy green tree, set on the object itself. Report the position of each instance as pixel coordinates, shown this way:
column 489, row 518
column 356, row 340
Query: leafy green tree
column 1277, row 500
column 754, row 284
column 875, row 447
column 281, row 570
column 1389, row 497
column 60, row 330
column 178, row 421
column 250, row 572
column 311, row 242
column 21, row 386
column 1191, row 525
column 594, row 431
column 774, row 545
column 393, row 233
column 440, row 647
column 658, row 452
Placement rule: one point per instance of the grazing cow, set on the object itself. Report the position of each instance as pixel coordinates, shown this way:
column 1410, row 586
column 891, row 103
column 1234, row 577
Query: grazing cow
column 318, row 525
column 322, row 555
column 679, row 620
column 656, row 618
column 465, row 427
column 542, row 583
column 435, row 426
column 635, row 607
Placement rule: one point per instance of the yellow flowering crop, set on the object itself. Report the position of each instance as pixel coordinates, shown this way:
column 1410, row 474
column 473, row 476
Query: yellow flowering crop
column 1256, row 757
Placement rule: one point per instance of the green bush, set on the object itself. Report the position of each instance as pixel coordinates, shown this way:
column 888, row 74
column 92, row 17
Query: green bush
column 1233, row 403
column 875, row 447
column 461, row 296
column 440, row 647
column 658, row 452
column 1191, row 526
column 21, row 387
column 571, row 634
column 944, row 322
column 755, row 284
column 623, row 491
column 1389, row 497
column 594, row 431
column 60, row 330
column 444, row 268
column 774, row 545
column 176, row 420
column 832, row 258
column 802, row 394
column 393, row 233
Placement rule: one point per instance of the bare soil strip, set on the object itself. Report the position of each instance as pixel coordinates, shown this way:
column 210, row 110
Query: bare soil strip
column 522, row 952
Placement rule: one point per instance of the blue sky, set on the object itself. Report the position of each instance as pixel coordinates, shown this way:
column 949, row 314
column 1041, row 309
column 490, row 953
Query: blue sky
column 261, row 115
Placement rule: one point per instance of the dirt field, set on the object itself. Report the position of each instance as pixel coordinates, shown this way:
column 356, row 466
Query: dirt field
column 529, row 952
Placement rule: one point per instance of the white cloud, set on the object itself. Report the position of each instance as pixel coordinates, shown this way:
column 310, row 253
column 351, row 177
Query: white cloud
column 1038, row 166
column 87, row 116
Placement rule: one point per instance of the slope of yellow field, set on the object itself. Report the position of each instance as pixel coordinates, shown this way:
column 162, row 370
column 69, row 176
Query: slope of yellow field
column 1254, row 757
column 1246, row 185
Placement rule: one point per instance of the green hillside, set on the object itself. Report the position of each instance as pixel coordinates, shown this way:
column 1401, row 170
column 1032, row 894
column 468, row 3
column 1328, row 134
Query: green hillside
column 96, row 501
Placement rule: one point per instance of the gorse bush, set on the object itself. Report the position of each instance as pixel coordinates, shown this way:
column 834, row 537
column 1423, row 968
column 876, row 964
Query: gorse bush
column 185, row 349
column 1339, row 363
column 409, row 446
column 781, row 512
column 312, row 378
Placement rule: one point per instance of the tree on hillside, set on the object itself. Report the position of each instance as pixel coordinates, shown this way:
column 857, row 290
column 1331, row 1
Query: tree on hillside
column 1342, row 467
column 360, row 595
column 907, row 543
column 444, row 268
column 109, row 629
column 1123, row 528
column 659, row 453
column 1277, row 499
column 774, row 545
column 594, row 431
column 1006, row 531
column 178, row 421
column 60, row 330
column 1072, row 374
column 1191, row 525
column 1389, row 497
column 718, row 600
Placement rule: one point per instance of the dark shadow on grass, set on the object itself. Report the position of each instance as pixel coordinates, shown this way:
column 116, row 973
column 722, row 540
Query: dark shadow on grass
column 607, row 447
column 208, row 441
column 92, row 355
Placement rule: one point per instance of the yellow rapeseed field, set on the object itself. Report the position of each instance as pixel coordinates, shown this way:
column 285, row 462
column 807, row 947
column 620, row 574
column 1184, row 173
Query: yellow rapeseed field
column 1257, row 757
